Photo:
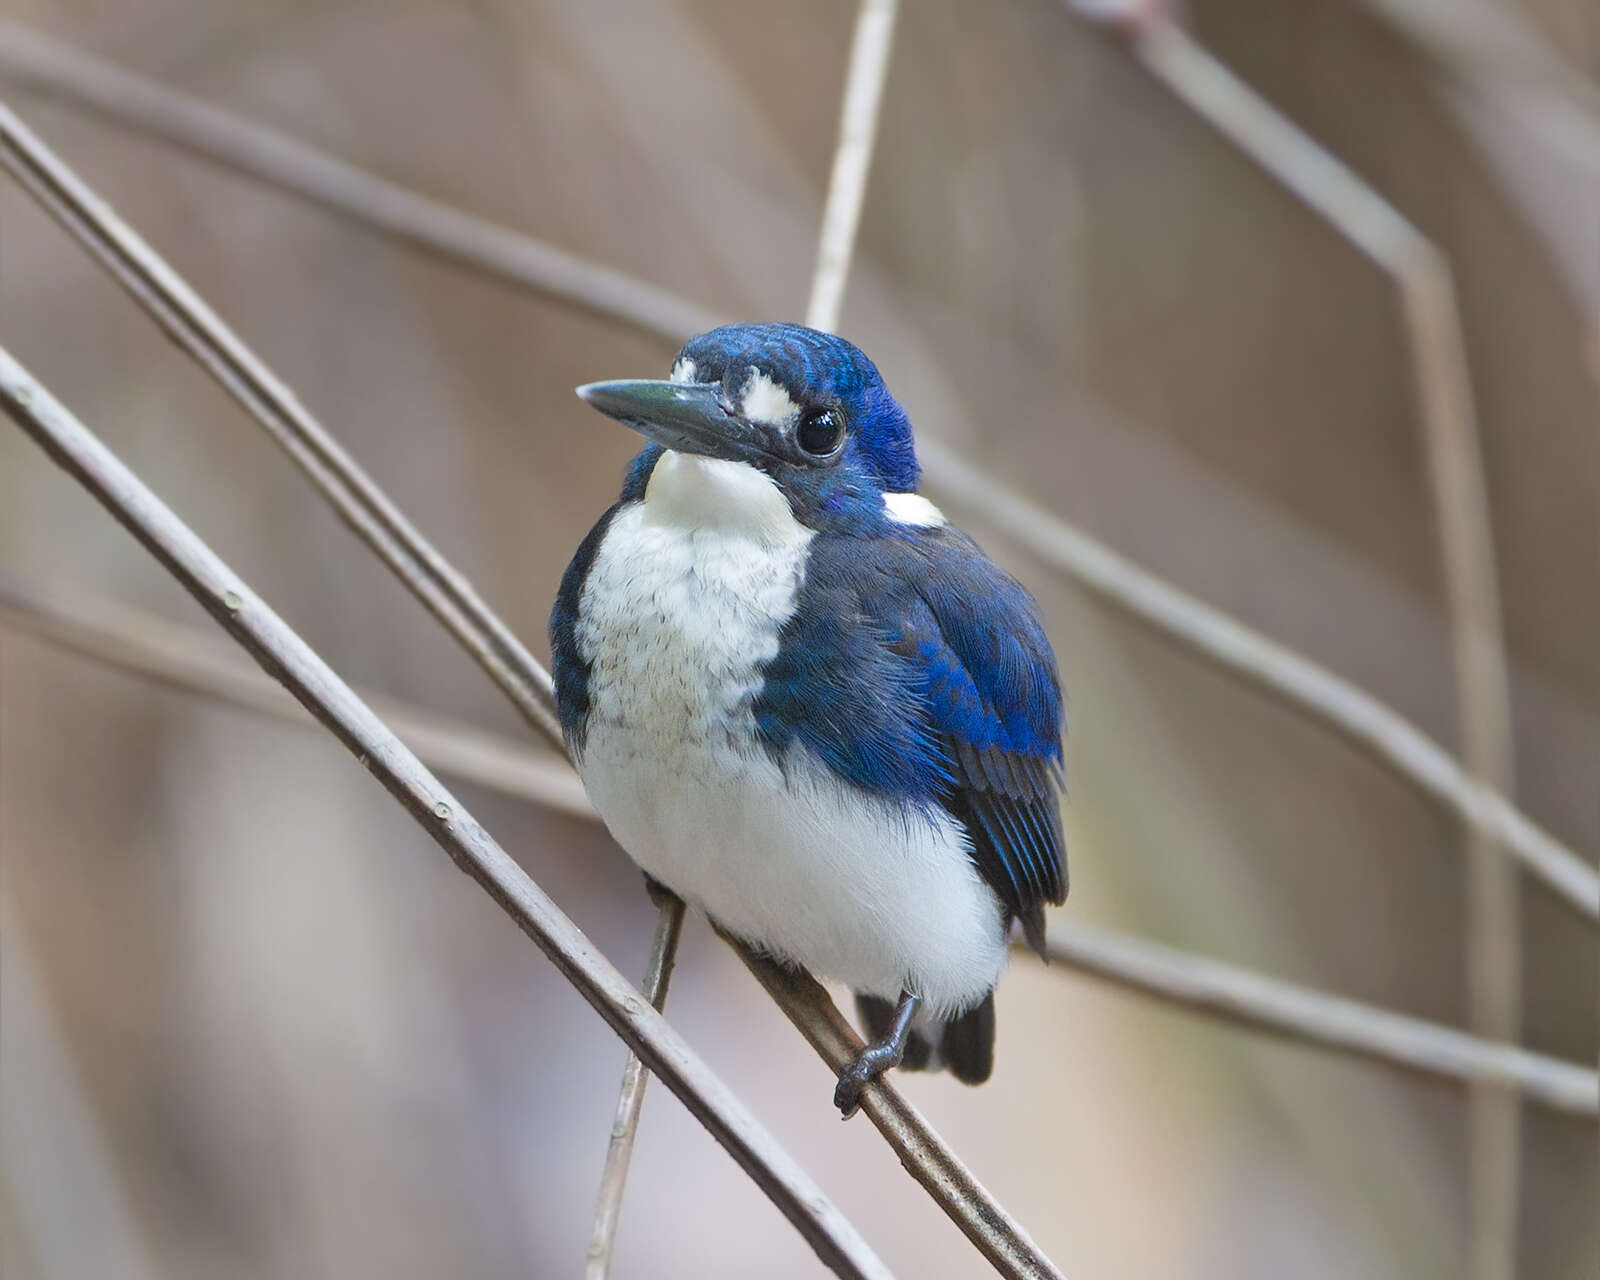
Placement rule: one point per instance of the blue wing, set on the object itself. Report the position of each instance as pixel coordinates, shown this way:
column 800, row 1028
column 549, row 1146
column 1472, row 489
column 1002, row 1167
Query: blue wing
column 917, row 669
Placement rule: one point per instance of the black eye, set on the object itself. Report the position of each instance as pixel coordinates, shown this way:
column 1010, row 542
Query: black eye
column 821, row 432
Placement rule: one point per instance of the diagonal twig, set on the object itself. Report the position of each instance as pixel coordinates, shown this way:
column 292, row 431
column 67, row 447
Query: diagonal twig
column 1209, row 632
column 982, row 1219
column 852, row 159
column 630, row 1098
column 180, row 656
column 1421, row 275
column 49, row 66
column 1199, row 984
column 183, row 658
column 350, row 491
column 287, row 658
column 869, row 63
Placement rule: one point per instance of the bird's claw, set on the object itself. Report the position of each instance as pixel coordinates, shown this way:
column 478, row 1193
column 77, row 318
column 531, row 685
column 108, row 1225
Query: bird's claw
column 872, row 1062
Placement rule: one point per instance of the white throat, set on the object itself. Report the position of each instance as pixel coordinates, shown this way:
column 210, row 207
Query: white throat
column 733, row 498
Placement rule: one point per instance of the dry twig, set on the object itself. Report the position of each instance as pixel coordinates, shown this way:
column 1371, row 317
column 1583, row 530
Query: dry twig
column 852, row 159
column 630, row 1098
column 869, row 64
column 337, row 477
column 49, row 66
column 1421, row 276
column 980, row 1216
column 1209, row 632
column 1195, row 983
column 351, row 492
column 283, row 655
column 182, row 657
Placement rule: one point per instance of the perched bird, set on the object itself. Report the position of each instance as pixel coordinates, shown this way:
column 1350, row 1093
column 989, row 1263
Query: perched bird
column 807, row 704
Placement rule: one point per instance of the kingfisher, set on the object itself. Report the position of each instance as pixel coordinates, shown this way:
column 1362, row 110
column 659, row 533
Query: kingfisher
column 806, row 703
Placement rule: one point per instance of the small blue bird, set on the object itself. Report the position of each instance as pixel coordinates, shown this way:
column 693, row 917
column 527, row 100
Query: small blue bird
column 808, row 705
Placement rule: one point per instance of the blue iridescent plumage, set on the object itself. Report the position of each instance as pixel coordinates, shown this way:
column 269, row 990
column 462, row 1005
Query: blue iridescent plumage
column 911, row 667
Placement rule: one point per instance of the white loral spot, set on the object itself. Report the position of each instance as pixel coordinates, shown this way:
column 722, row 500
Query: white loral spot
column 721, row 497
column 767, row 402
column 682, row 372
column 912, row 509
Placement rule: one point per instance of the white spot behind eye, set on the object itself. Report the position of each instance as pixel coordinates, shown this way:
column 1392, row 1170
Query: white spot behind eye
column 913, row 509
column 767, row 402
column 682, row 372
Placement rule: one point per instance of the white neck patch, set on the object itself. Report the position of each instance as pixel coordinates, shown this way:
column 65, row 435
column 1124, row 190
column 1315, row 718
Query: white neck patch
column 913, row 509
column 767, row 402
column 716, row 495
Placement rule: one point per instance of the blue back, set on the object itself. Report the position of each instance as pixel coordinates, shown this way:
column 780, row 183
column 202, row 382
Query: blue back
column 913, row 667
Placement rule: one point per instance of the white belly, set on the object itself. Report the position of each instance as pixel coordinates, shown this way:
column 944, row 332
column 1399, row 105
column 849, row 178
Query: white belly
column 675, row 621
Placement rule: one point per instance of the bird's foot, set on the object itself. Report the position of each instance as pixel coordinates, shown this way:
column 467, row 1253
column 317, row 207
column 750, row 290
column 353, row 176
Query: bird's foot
column 876, row 1058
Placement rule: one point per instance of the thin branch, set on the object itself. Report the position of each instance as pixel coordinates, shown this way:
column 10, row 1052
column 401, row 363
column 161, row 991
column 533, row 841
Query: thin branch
column 283, row 655
column 187, row 659
column 181, row 656
column 73, row 1210
column 1421, row 276
column 1303, row 684
column 1209, row 632
column 50, row 67
column 351, row 492
column 1213, row 634
column 852, row 159
column 1200, row 985
column 979, row 1215
column 630, row 1099
column 869, row 65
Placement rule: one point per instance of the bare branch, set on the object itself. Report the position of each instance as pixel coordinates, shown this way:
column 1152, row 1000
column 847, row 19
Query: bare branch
column 283, row 655
column 869, row 65
column 1209, row 632
column 1200, row 985
column 630, row 1100
column 352, row 493
column 970, row 1206
column 132, row 263
column 180, row 656
column 1421, row 275
column 185, row 658
column 852, row 159
column 50, row 67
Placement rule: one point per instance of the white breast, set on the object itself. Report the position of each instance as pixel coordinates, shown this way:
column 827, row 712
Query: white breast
column 682, row 607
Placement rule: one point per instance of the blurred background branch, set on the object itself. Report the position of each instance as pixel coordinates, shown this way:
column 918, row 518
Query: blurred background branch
column 368, row 511
column 181, row 656
column 1443, row 389
column 1207, row 631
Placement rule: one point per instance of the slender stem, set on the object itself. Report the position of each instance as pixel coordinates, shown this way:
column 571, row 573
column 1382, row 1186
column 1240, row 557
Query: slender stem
column 48, row 67
column 187, row 659
column 181, row 656
column 982, row 1219
column 852, row 159
column 1201, row 985
column 286, row 657
column 1420, row 273
column 630, row 1100
column 350, row 491
column 869, row 63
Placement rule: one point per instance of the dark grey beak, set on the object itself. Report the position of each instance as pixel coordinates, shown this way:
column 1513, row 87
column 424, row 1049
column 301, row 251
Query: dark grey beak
column 688, row 417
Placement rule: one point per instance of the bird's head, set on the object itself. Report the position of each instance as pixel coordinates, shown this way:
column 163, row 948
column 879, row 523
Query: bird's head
column 804, row 407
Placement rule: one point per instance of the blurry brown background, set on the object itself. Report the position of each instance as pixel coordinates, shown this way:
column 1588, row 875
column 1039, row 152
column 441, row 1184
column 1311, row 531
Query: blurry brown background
column 301, row 1044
